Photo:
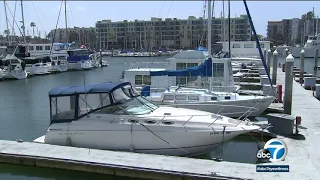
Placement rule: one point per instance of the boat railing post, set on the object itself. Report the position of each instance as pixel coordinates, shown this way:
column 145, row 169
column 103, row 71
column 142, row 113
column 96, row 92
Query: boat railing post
column 315, row 68
column 301, row 66
column 287, row 104
column 274, row 67
column 100, row 58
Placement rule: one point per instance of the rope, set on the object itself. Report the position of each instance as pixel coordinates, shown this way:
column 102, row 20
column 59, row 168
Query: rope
column 164, row 140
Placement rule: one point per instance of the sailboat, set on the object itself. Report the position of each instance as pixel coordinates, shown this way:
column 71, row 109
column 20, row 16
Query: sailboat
column 216, row 74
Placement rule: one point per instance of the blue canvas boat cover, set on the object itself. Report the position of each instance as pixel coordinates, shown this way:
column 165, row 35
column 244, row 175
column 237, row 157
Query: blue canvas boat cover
column 95, row 88
column 204, row 69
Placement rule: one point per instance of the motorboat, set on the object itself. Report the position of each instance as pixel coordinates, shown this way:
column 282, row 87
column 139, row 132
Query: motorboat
column 224, row 103
column 79, row 59
column 58, row 63
column 2, row 73
column 114, row 116
column 36, row 66
column 309, row 48
column 13, row 68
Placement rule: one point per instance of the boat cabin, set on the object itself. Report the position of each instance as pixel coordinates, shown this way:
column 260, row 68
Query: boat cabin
column 222, row 74
column 313, row 42
column 74, row 102
column 77, row 55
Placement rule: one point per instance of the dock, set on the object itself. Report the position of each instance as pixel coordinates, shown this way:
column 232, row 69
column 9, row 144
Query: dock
column 303, row 155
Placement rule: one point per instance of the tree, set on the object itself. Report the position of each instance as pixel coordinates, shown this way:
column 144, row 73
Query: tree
column 308, row 16
column 73, row 36
column 278, row 38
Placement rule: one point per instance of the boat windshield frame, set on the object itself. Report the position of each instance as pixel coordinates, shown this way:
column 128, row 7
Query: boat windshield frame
column 128, row 94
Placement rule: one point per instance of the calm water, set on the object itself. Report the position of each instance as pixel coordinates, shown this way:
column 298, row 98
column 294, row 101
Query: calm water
column 24, row 109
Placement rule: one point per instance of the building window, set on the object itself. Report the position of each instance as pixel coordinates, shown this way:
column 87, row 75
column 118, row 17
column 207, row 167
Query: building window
column 31, row 48
column 248, row 45
column 47, row 48
column 38, row 47
column 142, row 79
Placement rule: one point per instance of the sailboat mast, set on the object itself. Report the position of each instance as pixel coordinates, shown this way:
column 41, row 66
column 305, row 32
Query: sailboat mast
column 313, row 20
column 8, row 31
column 317, row 25
column 209, row 28
column 23, row 26
column 229, row 34
column 224, row 22
column 65, row 17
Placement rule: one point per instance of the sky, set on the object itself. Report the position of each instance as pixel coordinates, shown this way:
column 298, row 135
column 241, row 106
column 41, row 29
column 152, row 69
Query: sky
column 87, row 13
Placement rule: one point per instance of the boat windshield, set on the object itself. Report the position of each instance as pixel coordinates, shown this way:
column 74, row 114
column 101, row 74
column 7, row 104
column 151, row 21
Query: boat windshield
column 132, row 103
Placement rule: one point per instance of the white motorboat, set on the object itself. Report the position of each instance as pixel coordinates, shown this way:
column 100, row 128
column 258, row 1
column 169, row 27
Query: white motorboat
column 58, row 63
column 2, row 73
column 113, row 116
column 79, row 59
column 309, row 48
column 224, row 103
column 36, row 66
column 13, row 68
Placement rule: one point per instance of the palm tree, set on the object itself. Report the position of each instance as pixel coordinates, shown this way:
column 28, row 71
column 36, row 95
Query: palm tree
column 33, row 24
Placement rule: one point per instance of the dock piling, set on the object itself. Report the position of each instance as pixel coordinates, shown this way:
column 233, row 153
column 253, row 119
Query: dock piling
column 275, row 66
column 100, row 58
column 269, row 60
column 315, row 68
column 301, row 66
column 287, row 104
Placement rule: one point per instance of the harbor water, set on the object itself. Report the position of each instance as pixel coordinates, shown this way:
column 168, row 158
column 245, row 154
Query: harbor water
column 24, row 114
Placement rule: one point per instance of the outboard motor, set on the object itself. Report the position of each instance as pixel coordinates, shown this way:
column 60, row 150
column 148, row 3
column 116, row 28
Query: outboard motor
column 59, row 63
column 53, row 63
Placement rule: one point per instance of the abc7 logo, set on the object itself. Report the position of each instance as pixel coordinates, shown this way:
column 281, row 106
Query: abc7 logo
column 264, row 155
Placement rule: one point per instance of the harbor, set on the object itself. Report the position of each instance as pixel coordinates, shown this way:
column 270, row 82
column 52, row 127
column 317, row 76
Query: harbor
column 304, row 105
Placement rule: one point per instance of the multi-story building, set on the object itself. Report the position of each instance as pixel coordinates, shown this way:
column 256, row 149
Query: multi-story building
column 167, row 33
column 291, row 31
column 86, row 36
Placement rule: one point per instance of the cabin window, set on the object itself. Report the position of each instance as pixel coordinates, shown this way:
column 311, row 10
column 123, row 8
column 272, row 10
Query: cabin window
column 89, row 102
column 230, row 69
column 47, row 48
column 182, row 80
column 214, row 98
column 181, row 97
column 142, row 79
column 150, row 121
column 168, row 97
column 63, row 108
column 193, row 98
column 31, row 48
column 218, row 69
column 236, row 46
column 227, row 97
column 261, row 45
column 248, row 45
column 119, row 95
column 39, row 48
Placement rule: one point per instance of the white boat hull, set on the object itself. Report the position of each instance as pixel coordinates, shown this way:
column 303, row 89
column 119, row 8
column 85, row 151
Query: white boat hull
column 80, row 65
column 16, row 74
column 2, row 73
column 250, row 107
column 175, row 141
column 308, row 52
column 38, row 70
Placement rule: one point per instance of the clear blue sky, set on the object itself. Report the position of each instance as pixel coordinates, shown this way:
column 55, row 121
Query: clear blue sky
column 86, row 13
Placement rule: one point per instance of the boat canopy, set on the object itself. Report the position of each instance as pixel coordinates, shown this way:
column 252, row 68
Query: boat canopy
column 95, row 88
column 204, row 69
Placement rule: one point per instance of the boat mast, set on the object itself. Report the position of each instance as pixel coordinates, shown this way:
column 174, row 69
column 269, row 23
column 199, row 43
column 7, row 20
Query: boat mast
column 23, row 27
column 8, row 31
column 65, row 17
column 224, row 23
column 317, row 25
column 229, row 34
column 209, row 37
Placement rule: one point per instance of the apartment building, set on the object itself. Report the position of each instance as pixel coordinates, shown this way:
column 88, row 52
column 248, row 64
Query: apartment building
column 291, row 31
column 79, row 35
column 167, row 33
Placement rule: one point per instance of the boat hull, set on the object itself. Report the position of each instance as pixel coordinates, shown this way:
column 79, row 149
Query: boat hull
column 16, row 74
column 80, row 65
column 233, row 108
column 180, row 141
column 308, row 52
